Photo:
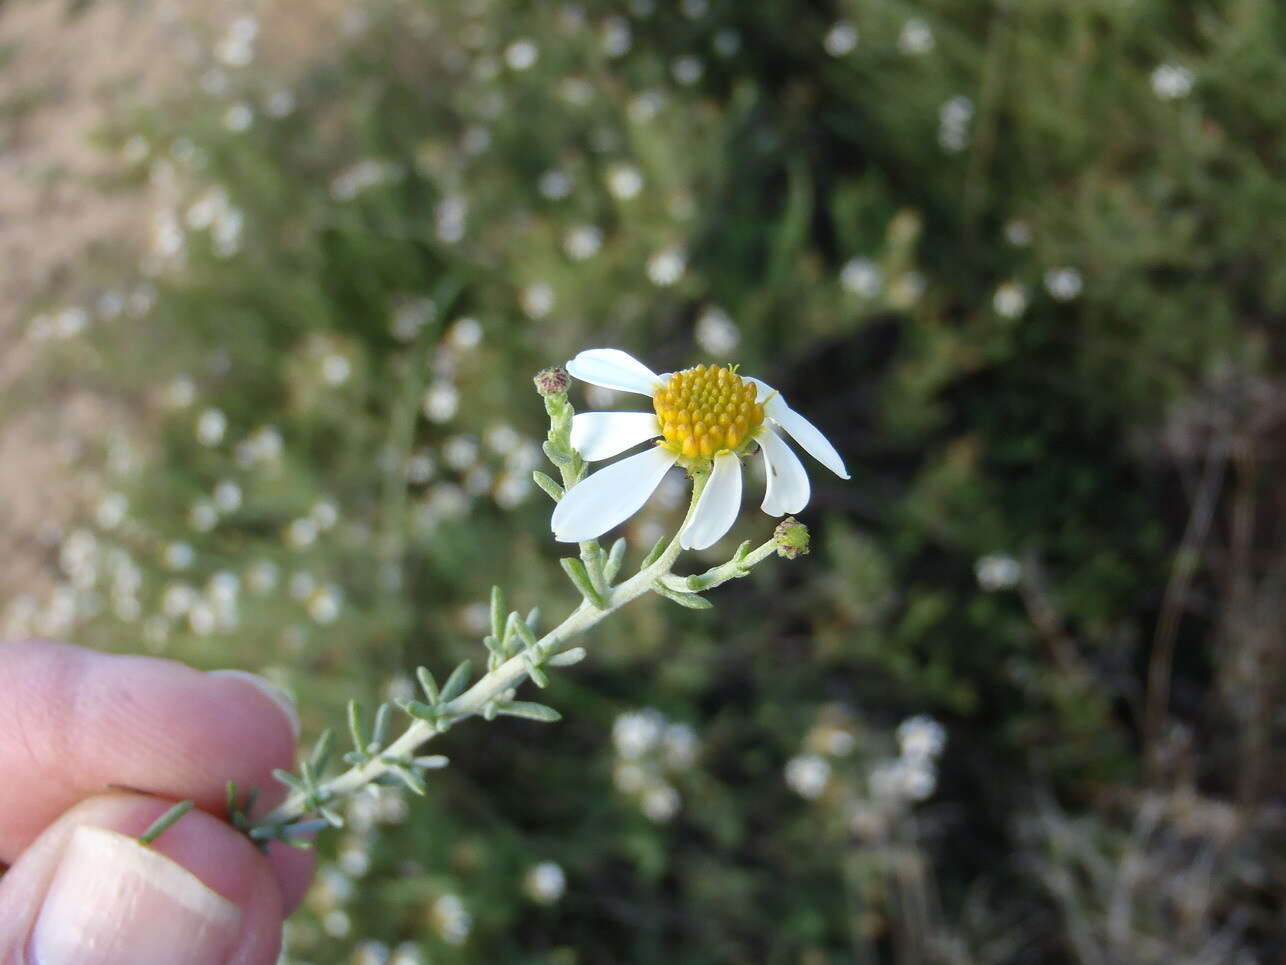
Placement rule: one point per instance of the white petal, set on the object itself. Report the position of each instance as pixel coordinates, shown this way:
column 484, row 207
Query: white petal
column 765, row 390
column 808, row 436
column 800, row 429
column 601, row 435
column 718, row 506
column 613, row 369
column 788, row 489
column 610, row 496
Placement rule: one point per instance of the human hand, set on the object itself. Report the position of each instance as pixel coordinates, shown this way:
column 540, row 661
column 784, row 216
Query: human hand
column 94, row 748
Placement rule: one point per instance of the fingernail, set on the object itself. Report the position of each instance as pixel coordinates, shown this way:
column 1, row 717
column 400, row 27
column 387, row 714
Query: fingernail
column 114, row 901
column 281, row 698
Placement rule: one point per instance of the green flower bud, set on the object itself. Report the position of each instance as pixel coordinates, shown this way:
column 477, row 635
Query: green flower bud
column 552, row 381
column 792, row 538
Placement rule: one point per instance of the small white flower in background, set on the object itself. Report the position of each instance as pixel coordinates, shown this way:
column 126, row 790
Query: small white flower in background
column 179, row 556
column 1010, row 299
column 554, row 185
column 1018, row 233
column 238, row 117
column 451, row 215
column 537, row 300
column 727, row 42
column 687, row 70
column 324, row 513
column 420, row 468
column 637, row 732
column 862, row 277
column 841, row 39
column 408, row 953
column 679, row 747
column 210, row 427
column 280, row 104
column 369, row 952
column 262, row 576
column 617, row 37
column 583, row 241
column 111, row 510
column 660, row 803
column 666, row 267
column 808, row 775
column 916, row 37
column 410, row 315
column 707, row 418
column 694, row 9
column 465, row 333
column 180, row 393
column 302, row 584
column 451, row 919
column 1063, row 283
column 921, row 737
column 203, row 517
column 996, row 571
column 521, row 54
column 624, row 181
column 441, row 400
column 301, row 533
column 335, row 369
column 1171, row 82
column 953, row 123
column 645, row 106
column 324, row 605
column 545, row 883
column 716, row 332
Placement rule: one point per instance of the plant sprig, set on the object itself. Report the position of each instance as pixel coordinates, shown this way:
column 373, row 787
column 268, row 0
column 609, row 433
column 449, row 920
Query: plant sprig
column 515, row 653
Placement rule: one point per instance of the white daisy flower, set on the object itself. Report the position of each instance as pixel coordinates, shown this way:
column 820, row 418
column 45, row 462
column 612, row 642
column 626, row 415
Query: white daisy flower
column 708, row 417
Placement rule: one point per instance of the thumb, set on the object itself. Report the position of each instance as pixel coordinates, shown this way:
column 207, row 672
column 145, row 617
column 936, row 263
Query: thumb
column 87, row 891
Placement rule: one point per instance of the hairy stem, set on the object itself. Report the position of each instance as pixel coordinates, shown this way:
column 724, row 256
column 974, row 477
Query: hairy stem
column 509, row 674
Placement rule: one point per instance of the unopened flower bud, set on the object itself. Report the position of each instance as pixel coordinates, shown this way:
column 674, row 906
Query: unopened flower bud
column 792, row 538
column 552, row 381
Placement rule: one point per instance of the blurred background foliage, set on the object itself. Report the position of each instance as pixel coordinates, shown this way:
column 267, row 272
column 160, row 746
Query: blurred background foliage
column 1017, row 260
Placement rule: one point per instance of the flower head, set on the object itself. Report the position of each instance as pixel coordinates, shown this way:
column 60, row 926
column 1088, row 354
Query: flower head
column 707, row 418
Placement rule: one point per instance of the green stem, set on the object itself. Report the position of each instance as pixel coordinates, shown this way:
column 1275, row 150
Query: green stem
column 494, row 685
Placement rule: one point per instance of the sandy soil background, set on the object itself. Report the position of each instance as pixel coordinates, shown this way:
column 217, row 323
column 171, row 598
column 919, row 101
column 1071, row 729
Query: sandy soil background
column 67, row 68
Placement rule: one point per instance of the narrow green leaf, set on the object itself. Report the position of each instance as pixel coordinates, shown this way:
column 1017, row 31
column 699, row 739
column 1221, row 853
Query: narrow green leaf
column 655, row 553
column 567, row 658
column 530, row 711
column 615, row 557
column 322, row 751
column 290, row 780
column 165, row 822
column 533, row 618
column 690, row 600
column 579, row 576
column 383, row 717
column 356, row 728
column 431, row 762
column 411, row 779
column 420, row 711
column 537, row 673
column 558, row 455
column 331, row 817
column 523, row 631
column 551, row 488
column 427, row 684
column 456, row 682
column 498, row 609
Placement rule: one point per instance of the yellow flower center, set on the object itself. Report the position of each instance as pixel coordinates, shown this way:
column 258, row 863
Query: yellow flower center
column 707, row 410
